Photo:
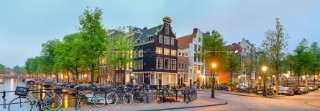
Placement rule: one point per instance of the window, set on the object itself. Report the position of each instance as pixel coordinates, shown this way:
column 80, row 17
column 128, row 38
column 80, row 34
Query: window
column 165, row 79
column 159, row 62
column 166, row 40
column 195, row 57
column 159, row 50
column 173, row 64
column 186, row 66
column 194, row 69
column 199, row 48
column 179, row 53
column 152, row 78
column 150, row 38
column 195, row 47
column 160, row 39
column 166, row 51
column 172, row 41
column 182, row 54
column 182, row 66
column 166, row 63
column 173, row 78
column 185, row 78
column 135, row 66
column 141, row 53
column 186, row 54
column 140, row 64
column 166, row 30
column 173, row 52
column 199, row 39
column 179, row 66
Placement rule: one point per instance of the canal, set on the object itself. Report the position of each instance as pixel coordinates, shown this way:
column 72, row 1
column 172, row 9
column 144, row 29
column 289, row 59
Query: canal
column 11, row 84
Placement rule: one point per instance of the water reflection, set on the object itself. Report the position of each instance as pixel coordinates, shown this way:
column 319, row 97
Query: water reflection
column 11, row 84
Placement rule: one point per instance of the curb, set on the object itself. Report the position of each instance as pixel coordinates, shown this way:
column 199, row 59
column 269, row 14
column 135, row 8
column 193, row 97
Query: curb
column 239, row 94
column 188, row 107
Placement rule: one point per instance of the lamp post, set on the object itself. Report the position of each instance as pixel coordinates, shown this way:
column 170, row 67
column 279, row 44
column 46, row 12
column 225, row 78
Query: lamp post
column 287, row 76
column 213, row 81
column 198, row 82
column 303, row 77
column 264, row 69
column 260, row 79
column 273, row 79
column 239, row 79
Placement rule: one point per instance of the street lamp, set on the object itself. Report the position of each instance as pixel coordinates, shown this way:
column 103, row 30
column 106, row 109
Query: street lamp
column 273, row 79
column 213, row 81
column 303, row 77
column 264, row 69
column 239, row 79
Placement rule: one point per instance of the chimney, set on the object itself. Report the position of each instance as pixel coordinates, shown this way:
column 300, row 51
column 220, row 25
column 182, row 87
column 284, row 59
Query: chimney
column 145, row 29
column 195, row 30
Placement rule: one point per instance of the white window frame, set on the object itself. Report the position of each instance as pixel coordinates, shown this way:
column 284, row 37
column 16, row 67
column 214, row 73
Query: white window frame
column 160, row 39
column 166, row 51
column 173, row 52
column 161, row 64
column 172, row 41
column 166, row 40
column 164, row 62
column 173, row 64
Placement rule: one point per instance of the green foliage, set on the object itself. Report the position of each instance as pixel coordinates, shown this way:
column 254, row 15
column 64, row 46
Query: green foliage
column 233, row 64
column 119, row 51
column 93, row 38
column 20, row 70
column 2, row 69
column 274, row 46
column 213, row 50
column 48, row 56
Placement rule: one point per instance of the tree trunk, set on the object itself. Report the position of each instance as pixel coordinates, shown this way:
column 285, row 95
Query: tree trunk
column 298, row 79
column 277, row 80
column 92, row 74
column 77, row 77
column 314, row 78
column 57, row 77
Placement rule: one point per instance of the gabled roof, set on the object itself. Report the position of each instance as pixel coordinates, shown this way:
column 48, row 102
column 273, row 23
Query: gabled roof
column 185, row 40
column 235, row 46
column 144, row 36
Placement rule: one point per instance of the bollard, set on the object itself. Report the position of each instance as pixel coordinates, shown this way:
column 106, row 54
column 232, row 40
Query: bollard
column 4, row 99
column 39, row 103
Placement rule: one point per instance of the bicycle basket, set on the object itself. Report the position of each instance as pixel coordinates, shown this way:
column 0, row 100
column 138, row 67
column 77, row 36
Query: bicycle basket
column 21, row 91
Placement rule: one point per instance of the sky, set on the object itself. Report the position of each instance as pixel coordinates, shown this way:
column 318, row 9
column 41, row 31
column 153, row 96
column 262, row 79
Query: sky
column 26, row 24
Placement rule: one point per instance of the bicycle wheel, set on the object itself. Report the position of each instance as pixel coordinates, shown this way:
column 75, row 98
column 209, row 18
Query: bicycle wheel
column 52, row 101
column 20, row 104
column 112, row 98
column 145, row 98
column 98, row 100
column 77, row 105
column 127, row 98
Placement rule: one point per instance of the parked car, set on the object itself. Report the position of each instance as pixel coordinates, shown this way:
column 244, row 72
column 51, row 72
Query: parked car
column 312, row 87
column 222, row 87
column 296, row 89
column 286, row 91
column 304, row 89
column 242, row 87
column 71, row 85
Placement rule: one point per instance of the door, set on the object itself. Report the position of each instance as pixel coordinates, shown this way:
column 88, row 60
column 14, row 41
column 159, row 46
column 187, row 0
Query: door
column 147, row 78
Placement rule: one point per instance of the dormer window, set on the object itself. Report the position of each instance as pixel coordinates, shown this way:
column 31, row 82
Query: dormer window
column 138, row 41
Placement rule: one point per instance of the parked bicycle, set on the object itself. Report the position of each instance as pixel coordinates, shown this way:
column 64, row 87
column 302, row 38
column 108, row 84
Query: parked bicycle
column 141, row 94
column 93, row 97
column 190, row 94
column 25, row 100
column 162, row 95
column 122, row 93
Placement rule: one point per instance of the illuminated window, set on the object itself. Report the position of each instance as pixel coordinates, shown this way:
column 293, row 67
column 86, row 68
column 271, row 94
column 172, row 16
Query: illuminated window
column 166, row 51
column 173, row 53
column 141, row 53
column 159, row 50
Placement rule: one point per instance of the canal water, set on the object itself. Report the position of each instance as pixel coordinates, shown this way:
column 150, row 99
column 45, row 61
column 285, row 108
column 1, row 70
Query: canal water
column 11, row 84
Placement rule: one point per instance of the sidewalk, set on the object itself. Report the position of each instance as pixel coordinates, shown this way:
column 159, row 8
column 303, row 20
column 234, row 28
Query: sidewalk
column 314, row 103
column 202, row 101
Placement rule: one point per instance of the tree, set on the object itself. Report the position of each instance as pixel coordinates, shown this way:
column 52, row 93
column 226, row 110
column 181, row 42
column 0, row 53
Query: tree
column 274, row 45
column 19, row 70
column 93, row 37
column 48, row 56
column 69, row 54
column 34, row 66
column 213, row 52
column 301, row 59
column 119, row 51
column 27, row 65
column 233, row 64
column 315, row 64
column 2, row 69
